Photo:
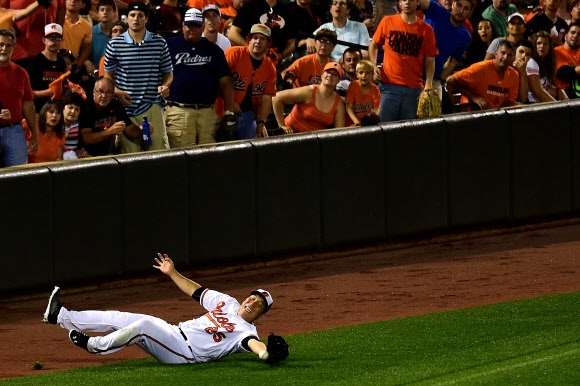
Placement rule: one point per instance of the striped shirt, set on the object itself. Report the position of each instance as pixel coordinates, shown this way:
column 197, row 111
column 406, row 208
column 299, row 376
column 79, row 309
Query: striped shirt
column 139, row 69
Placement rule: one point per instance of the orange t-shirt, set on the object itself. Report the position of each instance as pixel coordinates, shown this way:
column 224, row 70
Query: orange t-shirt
column 47, row 146
column 307, row 117
column 565, row 57
column 482, row 79
column 406, row 47
column 7, row 18
column 307, row 70
column 263, row 80
column 363, row 104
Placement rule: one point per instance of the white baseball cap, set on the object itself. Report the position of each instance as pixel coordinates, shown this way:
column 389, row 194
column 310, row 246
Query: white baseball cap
column 193, row 16
column 517, row 14
column 266, row 296
column 52, row 29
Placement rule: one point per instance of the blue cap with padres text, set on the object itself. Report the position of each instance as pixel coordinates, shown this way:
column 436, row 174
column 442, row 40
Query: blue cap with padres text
column 193, row 16
column 266, row 296
column 138, row 6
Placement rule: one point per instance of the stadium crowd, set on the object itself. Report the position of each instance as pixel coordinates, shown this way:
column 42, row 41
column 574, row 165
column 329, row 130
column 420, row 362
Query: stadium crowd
column 78, row 77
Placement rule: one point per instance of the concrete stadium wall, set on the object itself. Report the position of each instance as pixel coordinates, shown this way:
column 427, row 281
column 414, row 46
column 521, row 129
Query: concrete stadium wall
column 108, row 217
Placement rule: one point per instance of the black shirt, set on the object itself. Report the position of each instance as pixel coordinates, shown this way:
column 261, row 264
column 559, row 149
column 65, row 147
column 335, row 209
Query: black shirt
column 99, row 120
column 279, row 19
column 42, row 72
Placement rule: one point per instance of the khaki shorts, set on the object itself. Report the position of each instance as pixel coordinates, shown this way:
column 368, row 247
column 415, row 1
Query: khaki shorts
column 156, row 118
column 188, row 126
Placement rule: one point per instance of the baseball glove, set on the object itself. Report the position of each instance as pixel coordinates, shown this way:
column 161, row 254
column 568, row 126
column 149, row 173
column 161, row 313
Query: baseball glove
column 226, row 128
column 370, row 120
column 44, row 3
column 278, row 349
column 429, row 104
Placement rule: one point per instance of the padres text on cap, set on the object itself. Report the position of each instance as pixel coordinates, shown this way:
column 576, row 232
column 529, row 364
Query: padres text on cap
column 336, row 67
column 211, row 7
column 193, row 16
column 261, row 29
column 266, row 296
column 52, row 29
column 137, row 6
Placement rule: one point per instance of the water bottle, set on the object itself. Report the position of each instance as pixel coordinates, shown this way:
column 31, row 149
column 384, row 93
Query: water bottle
column 146, row 132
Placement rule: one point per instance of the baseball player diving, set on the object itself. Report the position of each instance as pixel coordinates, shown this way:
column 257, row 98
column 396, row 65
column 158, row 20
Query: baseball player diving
column 226, row 328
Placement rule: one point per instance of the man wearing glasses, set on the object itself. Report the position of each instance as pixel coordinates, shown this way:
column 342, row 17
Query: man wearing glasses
column 308, row 69
column 103, row 118
column 46, row 67
column 14, row 105
column 346, row 30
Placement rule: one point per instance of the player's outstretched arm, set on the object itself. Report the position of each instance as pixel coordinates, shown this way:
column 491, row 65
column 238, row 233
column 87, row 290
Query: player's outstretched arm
column 258, row 348
column 165, row 265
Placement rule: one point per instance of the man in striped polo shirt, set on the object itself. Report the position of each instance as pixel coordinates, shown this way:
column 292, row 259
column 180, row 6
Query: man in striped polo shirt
column 140, row 64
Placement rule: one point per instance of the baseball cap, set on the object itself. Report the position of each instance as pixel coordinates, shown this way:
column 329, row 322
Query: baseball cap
column 334, row 66
column 517, row 14
column 211, row 7
column 266, row 296
column 138, row 6
column 260, row 29
column 52, row 29
column 193, row 16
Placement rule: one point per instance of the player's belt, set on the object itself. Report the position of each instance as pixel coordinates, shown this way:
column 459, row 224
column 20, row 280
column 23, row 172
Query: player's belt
column 188, row 106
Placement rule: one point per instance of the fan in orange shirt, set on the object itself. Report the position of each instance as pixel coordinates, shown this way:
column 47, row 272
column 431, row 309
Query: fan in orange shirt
column 363, row 97
column 568, row 60
column 490, row 83
column 51, row 138
column 308, row 69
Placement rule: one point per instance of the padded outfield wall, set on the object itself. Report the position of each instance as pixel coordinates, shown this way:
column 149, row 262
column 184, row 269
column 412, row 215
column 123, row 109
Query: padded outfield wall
column 108, row 217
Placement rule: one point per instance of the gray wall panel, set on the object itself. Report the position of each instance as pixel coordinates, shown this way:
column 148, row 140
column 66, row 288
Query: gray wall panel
column 479, row 167
column 287, row 193
column 154, row 202
column 26, row 200
column 221, row 199
column 541, row 160
column 87, row 228
column 352, row 185
column 416, row 176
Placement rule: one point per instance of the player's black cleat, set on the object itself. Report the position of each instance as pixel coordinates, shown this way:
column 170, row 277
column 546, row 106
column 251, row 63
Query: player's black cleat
column 79, row 339
column 53, row 308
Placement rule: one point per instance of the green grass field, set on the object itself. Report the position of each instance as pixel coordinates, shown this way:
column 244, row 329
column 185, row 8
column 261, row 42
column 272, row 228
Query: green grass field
column 527, row 342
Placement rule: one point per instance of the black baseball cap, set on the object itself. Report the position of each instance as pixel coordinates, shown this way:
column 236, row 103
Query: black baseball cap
column 138, row 6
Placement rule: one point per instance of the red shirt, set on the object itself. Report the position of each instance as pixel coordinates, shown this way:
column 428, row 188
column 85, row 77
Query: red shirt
column 15, row 79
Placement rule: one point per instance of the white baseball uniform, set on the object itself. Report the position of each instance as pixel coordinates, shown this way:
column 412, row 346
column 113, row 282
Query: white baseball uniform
column 217, row 333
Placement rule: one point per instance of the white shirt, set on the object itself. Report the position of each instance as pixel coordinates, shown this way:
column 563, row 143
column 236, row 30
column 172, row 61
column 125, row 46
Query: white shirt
column 220, row 331
column 353, row 32
column 222, row 42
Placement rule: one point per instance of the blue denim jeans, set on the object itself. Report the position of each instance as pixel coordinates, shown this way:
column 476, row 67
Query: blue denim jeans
column 13, row 147
column 398, row 102
column 246, row 125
